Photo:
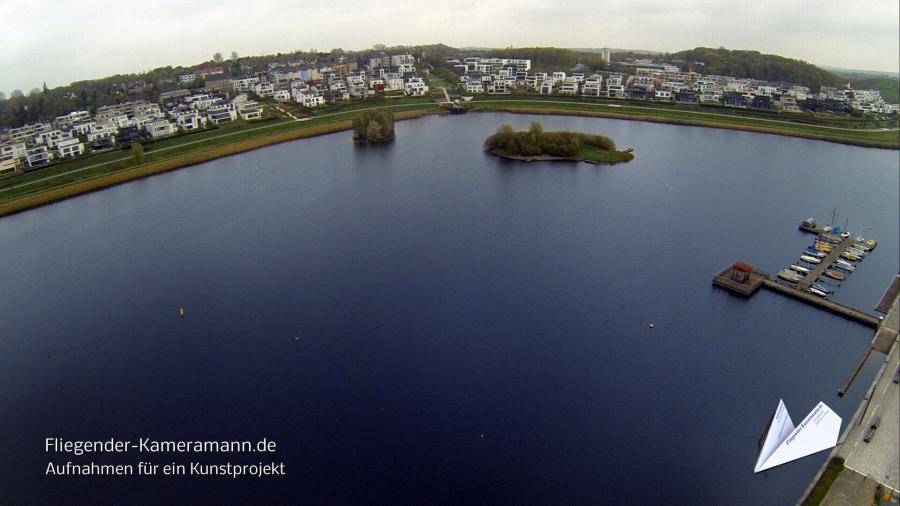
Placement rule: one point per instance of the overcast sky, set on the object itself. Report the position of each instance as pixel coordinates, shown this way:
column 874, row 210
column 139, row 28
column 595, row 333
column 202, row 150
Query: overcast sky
column 64, row 41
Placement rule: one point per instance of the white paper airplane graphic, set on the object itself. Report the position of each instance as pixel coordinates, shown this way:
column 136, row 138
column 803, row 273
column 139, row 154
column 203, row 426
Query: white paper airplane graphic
column 782, row 442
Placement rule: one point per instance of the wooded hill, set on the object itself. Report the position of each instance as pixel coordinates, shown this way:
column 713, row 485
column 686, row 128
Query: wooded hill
column 755, row 65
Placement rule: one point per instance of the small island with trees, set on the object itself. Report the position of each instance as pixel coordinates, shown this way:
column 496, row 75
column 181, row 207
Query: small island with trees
column 373, row 127
column 535, row 144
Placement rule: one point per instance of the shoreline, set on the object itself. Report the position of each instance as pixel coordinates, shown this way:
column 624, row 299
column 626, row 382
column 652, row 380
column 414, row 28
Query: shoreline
column 550, row 158
column 102, row 181
column 547, row 111
column 106, row 180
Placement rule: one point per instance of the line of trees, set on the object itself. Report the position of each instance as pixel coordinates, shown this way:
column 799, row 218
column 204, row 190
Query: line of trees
column 374, row 126
column 535, row 141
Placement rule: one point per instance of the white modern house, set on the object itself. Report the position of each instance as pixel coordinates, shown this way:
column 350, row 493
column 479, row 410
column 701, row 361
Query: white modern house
column 160, row 128
column 70, row 148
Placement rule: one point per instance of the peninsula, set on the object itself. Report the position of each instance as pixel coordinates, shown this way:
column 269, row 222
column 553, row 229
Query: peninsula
column 536, row 144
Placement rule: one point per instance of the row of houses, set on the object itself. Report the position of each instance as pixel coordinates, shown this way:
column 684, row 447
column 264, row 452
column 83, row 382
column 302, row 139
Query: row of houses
column 77, row 133
column 339, row 82
column 662, row 83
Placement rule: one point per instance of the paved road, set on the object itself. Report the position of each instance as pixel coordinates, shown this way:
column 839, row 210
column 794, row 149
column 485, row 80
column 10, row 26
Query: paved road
column 700, row 113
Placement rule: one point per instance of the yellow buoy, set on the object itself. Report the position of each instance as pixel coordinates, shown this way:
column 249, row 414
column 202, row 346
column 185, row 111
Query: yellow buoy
column 181, row 312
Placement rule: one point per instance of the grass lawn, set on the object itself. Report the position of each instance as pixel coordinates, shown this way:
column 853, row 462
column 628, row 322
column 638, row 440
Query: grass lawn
column 817, row 494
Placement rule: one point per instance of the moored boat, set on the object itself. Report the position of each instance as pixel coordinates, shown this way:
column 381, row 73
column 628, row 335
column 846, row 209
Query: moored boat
column 834, row 275
column 800, row 269
column 849, row 256
column 822, row 288
column 855, row 252
column 843, row 264
column 810, row 259
column 820, row 293
column 814, row 252
column 789, row 275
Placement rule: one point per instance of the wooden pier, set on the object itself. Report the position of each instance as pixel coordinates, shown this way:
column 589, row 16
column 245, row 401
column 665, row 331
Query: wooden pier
column 823, row 303
column 820, row 269
column 748, row 283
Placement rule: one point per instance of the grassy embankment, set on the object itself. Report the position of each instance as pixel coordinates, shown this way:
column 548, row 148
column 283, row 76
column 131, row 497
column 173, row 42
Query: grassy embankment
column 860, row 133
column 817, row 494
column 116, row 168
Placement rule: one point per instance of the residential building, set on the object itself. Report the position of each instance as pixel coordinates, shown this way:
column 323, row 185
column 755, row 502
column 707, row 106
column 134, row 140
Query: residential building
column 243, row 84
column 26, row 133
column 415, row 86
column 264, row 90
column 66, row 121
column 190, row 121
column 16, row 150
column 160, row 128
column 8, row 165
column 36, row 158
column 70, row 148
column 221, row 114
column 308, row 98
column 282, row 96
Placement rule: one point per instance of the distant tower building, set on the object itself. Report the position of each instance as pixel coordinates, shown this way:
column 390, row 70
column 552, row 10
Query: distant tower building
column 605, row 55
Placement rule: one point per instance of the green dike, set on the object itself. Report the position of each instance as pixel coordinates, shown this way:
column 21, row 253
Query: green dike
column 861, row 133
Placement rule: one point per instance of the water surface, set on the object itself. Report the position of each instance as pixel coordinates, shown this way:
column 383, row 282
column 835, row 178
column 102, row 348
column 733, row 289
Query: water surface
column 441, row 295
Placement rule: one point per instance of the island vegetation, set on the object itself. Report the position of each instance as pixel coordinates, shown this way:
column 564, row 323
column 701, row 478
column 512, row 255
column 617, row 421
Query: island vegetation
column 536, row 144
column 374, row 127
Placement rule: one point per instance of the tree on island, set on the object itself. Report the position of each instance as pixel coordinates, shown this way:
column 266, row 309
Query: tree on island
column 373, row 126
column 534, row 142
column 217, row 57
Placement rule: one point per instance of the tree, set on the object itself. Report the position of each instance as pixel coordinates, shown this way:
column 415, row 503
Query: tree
column 17, row 93
column 217, row 57
column 373, row 131
column 535, row 130
column 137, row 152
column 2, row 96
column 234, row 56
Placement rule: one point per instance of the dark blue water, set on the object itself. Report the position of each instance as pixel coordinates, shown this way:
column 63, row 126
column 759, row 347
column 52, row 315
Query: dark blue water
column 440, row 294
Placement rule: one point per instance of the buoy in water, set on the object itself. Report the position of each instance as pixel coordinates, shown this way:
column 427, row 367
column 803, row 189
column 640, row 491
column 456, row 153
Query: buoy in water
column 296, row 338
column 181, row 312
column 652, row 326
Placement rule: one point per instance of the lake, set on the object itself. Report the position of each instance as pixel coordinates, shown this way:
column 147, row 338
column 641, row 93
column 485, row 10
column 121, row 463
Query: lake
column 424, row 323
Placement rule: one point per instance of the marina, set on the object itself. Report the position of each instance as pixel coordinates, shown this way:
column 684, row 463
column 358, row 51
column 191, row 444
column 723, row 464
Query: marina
column 819, row 272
